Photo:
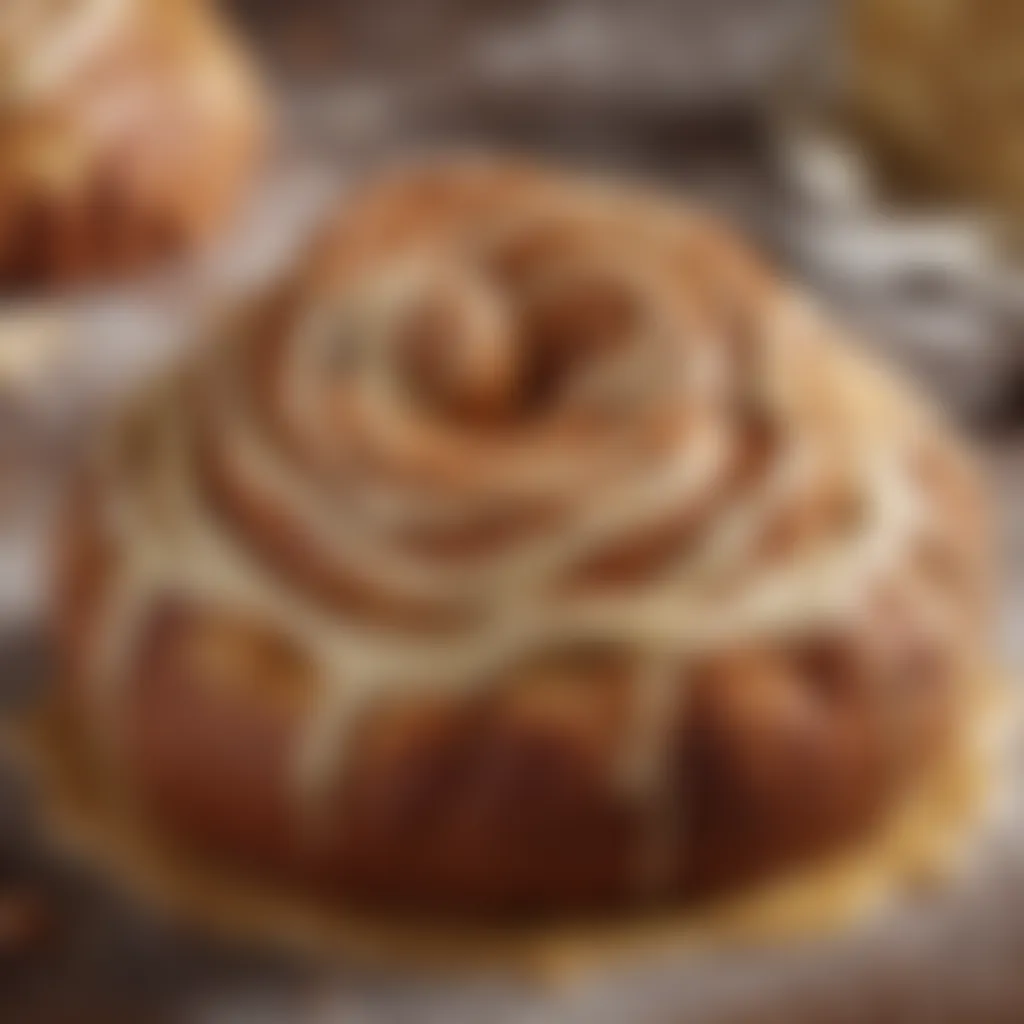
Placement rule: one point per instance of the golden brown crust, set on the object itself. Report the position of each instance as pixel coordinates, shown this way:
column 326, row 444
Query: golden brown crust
column 132, row 152
column 502, row 804
column 545, row 783
column 935, row 88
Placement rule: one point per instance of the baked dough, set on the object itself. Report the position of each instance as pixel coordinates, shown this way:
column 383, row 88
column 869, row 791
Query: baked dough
column 530, row 551
column 127, row 132
column 937, row 87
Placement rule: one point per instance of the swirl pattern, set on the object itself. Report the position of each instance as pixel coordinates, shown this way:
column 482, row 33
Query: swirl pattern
column 501, row 417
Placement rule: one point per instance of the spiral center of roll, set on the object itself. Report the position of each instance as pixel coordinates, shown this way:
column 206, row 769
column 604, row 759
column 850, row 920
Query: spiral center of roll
column 461, row 355
column 482, row 351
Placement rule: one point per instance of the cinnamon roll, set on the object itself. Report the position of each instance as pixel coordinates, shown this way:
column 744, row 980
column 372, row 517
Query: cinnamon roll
column 530, row 550
column 127, row 130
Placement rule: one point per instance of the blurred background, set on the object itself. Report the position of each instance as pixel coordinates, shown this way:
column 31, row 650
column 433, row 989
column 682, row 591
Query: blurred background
column 875, row 148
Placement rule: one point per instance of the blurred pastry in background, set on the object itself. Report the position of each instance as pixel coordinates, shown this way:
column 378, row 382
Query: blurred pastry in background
column 531, row 550
column 938, row 85
column 128, row 130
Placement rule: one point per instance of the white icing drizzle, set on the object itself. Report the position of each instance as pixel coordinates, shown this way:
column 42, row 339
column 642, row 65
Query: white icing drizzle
column 711, row 594
column 643, row 771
